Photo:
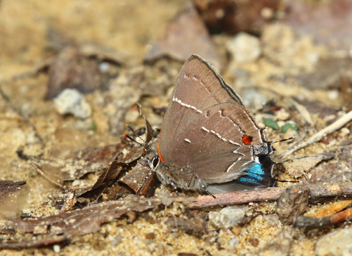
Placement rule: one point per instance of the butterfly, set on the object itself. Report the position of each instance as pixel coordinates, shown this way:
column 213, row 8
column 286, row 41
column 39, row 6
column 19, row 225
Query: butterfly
column 208, row 141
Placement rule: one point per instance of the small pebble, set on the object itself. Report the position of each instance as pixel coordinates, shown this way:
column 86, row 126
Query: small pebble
column 335, row 243
column 150, row 236
column 56, row 248
column 344, row 131
column 104, row 67
column 164, row 197
column 254, row 242
column 117, row 240
column 245, row 48
column 282, row 114
column 290, row 134
column 333, row 94
column 233, row 243
column 71, row 101
column 227, row 217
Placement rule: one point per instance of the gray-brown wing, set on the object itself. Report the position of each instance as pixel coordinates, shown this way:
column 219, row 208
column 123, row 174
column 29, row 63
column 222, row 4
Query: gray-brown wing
column 198, row 88
column 212, row 144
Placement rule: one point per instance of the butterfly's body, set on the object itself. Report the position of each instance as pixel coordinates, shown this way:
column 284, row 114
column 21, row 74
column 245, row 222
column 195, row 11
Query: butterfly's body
column 208, row 139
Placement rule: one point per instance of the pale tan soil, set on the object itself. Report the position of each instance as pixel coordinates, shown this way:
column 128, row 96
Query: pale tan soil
column 127, row 27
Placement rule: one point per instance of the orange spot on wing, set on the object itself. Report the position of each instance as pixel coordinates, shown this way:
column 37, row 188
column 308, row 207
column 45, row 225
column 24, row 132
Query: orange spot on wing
column 247, row 139
column 161, row 159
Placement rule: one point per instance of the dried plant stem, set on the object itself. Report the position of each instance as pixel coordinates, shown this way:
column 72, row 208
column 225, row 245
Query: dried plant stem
column 269, row 194
column 318, row 136
column 312, row 222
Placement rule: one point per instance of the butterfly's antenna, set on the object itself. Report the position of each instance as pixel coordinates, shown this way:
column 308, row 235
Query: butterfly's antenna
column 145, row 144
column 276, row 141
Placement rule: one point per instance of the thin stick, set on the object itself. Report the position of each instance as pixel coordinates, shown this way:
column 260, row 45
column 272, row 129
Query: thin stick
column 311, row 222
column 318, row 136
column 241, row 197
column 269, row 194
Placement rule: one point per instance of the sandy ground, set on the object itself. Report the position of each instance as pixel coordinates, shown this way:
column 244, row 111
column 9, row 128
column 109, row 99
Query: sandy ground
column 31, row 31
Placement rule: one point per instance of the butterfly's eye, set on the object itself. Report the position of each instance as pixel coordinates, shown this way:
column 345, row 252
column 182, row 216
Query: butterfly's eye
column 247, row 139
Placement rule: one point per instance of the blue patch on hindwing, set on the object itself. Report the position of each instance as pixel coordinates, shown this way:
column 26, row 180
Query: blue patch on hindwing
column 254, row 174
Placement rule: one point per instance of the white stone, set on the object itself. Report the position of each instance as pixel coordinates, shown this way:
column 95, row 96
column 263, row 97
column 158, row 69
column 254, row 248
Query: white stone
column 227, row 217
column 56, row 248
column 344, row 131
column 244, row 48
column 104, row 67
column 282, row 114
column 233, row 243
column 71, row 101
column 333, row 94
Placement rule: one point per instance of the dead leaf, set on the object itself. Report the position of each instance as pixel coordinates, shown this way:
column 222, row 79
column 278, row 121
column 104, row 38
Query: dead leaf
column 105, row 163
column 330, row 209
column 137, row 178
column 78, row 222
column 8, row 186
column 334, row 171
column 32, row 243
column 10, row 197
column 71, row 69
column 185, row 35
column 297, row 167
column 88, row 219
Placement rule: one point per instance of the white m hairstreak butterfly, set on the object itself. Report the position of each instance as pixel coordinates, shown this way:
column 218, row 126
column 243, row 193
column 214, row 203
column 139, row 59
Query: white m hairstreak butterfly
column 208, row 141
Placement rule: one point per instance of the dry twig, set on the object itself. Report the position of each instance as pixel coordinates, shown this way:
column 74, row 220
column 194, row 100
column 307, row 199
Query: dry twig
column 318, row 136
column 269, row 194
column 311, row 222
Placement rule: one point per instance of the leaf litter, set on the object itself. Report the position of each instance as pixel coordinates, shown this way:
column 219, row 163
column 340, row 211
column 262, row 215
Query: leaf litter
column 88, row 179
